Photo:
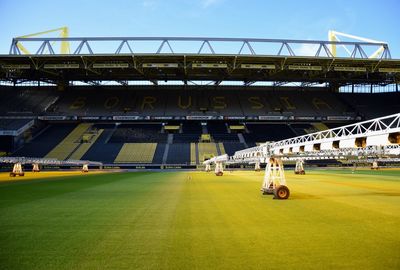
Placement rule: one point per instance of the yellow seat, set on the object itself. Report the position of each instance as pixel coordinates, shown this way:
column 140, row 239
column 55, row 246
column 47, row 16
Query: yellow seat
column 136, row 153
column 70, row 143
column 207, row 150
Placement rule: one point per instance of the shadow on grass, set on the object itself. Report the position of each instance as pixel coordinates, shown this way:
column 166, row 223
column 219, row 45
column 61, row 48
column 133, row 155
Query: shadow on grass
column 306, row 196
column 303, row 196
column 37, row 189
column 363, row 194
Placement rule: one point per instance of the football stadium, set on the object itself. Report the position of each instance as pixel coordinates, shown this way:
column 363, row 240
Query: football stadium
column 199, row 153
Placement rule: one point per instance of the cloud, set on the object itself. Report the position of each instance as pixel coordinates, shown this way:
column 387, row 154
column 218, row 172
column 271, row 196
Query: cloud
column 307, row 50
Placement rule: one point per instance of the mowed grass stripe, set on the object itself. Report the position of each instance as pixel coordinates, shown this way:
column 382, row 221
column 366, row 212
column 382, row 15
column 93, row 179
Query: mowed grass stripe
column 139, row 239
column 217, row 224
column 21, row 190
column 195, row 220
column 62, row 229
column 249, row 226
column 377, row 193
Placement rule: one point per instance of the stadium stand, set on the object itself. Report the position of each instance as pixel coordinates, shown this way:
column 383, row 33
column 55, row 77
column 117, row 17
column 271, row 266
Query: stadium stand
column 333, row 125
column 72, row 141
column 135, row 133
column 202, row 117
column 302, row 129
column 136, row 153
column 172, row 101
column 372, row 106
column 227, row 137
column 14, row 132
column 219, row 132
column 231, row 147
column 191, row 127
column 103, row 151
column 180, row 153
column 13, row 124
column 206, row 151
column 159, row 153
column 259, row 132
column 220, row 148
column 85, row 146
column 45, row 141
column 191, row 132
column 320, row 126
column 194, row 156
column 26, row 100
column 217, row 128
column 186, row 138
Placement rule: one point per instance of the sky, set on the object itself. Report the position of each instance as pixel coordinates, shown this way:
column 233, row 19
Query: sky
column 283, row 19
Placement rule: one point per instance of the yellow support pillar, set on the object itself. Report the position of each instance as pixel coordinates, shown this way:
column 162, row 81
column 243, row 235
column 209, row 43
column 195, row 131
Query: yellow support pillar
column 332, row 37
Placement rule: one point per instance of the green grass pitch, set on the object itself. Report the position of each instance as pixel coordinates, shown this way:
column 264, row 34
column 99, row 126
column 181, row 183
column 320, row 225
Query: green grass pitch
column 195, row 220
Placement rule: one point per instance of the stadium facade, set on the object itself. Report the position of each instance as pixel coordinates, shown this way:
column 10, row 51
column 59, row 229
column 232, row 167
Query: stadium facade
column 61, row 105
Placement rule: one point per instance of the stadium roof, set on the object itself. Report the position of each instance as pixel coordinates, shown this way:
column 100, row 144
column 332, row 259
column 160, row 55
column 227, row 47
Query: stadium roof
column 324, row 67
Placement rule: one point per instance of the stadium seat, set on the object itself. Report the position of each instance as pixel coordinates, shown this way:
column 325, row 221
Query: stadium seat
column 206, row 150
column 85, row 146
column 64, row 149
column 136, row 153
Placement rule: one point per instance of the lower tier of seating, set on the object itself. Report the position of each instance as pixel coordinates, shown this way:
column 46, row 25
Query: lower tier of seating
column 45, row 141
column 86, row 141
column 101, row 150
column 179, row 153
column 159, row 153
column 84, row 147
column 232, row 147
column 136, row 153
column 193, row 154
column 66, row 147
column 206, row 151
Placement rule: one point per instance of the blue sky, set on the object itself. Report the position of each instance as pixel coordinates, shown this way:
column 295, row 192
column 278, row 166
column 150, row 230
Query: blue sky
column 288, row 19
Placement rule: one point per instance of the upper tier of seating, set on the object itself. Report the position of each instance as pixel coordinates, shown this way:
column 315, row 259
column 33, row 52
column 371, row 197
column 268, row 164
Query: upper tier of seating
column 372, row 106
column 21, row 100
column 232, row 101
column 224, row 102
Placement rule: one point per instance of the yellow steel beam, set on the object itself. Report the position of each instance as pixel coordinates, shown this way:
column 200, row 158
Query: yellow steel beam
column 44, row 32
column 64, row 33
column 333, row 36
column 22, row 48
